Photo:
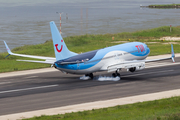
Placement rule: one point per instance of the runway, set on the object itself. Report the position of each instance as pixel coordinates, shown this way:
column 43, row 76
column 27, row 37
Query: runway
column 54, row 89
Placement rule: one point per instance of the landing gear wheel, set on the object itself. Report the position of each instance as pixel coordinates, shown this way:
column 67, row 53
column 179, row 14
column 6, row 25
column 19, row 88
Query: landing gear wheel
column 90, row 75
column 116, row 74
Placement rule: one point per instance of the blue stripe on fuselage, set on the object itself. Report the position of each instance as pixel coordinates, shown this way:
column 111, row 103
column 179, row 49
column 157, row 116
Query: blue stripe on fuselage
column 134, row 48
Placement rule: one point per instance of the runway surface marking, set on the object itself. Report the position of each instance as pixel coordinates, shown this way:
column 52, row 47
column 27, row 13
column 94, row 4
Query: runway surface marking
column 40, row 87
column 93, row 105
column 149, row 73
column 1, row 83
column 30, row 77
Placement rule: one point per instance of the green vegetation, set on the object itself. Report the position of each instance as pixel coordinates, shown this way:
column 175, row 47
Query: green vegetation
column 164, row 109
column 86, row 43
column 165, row 6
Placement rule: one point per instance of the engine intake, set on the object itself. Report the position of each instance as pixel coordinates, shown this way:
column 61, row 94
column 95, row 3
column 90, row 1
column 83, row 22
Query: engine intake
column 132, row 69
column 137, row 67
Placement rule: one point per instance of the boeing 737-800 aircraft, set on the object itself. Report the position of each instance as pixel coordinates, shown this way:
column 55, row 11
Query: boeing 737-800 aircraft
column 130, row 56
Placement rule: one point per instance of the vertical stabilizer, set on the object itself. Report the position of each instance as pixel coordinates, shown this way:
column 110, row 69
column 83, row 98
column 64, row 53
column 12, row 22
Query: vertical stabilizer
column 60, row 48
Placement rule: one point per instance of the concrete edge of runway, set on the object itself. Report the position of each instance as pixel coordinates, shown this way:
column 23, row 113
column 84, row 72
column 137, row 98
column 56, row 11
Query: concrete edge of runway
column 33, row 71
column 93, row 105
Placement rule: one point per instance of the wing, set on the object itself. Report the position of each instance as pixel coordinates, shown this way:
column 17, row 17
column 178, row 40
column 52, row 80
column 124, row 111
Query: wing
column 48, row 60
column 140, row 64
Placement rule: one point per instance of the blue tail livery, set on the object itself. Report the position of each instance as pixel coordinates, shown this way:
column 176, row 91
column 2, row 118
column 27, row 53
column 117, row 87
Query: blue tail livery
column 60, row 48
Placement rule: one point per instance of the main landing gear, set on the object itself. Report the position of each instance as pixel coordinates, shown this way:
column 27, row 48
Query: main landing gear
column 90, row 75
column 116, row 74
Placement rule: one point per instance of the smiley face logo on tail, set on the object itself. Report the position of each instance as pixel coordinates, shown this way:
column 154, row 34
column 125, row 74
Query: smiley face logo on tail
column 59, row 50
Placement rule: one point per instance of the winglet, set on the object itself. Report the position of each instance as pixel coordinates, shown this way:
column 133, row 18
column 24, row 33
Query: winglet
column 172, row 52
column 7, row 48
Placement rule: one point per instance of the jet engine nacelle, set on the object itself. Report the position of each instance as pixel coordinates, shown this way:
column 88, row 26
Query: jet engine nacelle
column 132, row 69
column 138, row 66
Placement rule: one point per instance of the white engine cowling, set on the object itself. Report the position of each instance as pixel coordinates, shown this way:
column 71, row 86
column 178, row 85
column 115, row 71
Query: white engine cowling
column 138, row 66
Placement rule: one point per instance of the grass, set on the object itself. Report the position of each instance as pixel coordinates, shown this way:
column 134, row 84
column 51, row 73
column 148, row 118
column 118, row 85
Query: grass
column 165, row 6
column 164, row 109
column 158, row 32
column 86, row 43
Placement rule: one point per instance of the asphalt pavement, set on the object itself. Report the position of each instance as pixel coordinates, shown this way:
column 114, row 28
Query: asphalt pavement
column 54, row 89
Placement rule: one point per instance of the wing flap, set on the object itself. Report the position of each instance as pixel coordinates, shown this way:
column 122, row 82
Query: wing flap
column 125, row 65
column 46, row 62
column 134, row 63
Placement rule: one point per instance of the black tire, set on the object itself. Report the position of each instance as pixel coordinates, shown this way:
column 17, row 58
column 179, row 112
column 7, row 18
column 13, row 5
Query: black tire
column 91, row 76
column 114, row 75
column 117, row 74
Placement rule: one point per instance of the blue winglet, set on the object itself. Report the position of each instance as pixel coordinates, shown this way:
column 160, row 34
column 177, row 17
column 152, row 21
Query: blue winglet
column 7, row 48
column 172, row 53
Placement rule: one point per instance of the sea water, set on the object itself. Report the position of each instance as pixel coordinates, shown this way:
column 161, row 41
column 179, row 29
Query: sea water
column 27, row 22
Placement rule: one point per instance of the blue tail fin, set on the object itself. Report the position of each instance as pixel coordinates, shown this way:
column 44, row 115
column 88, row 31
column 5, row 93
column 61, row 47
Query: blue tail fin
column 60, row 48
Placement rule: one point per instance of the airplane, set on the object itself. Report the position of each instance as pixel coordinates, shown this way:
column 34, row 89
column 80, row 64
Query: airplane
column 130, row 56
